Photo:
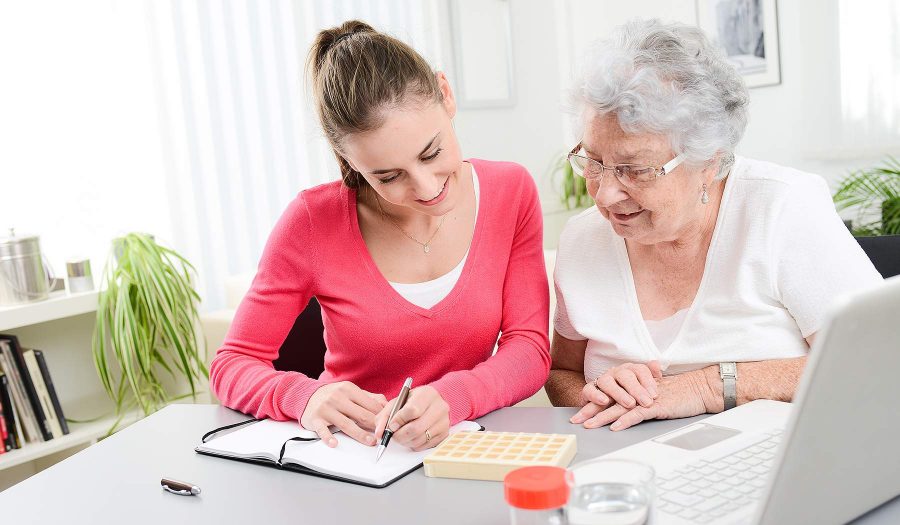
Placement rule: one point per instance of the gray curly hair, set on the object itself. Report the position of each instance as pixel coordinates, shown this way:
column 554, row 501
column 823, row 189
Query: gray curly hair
column 667, row 79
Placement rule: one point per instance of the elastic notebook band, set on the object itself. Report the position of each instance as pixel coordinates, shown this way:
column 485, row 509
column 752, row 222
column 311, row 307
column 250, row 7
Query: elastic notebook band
column 284, row 445
column 226, row 427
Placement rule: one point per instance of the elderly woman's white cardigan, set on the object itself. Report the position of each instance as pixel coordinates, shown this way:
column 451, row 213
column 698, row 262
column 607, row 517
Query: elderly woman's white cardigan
column 778, row 257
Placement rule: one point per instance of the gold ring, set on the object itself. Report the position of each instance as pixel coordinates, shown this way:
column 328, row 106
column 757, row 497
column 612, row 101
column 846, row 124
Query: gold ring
column 427, row 436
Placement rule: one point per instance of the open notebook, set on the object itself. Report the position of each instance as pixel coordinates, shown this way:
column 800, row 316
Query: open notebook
column 265, row 441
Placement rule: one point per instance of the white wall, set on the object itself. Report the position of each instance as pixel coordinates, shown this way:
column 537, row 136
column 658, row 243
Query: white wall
column 798, row 123
column 79, row 174
column 78, row 137
column 530, row 132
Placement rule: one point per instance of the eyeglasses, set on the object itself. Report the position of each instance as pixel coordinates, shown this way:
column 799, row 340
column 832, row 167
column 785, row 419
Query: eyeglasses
column 631, row 175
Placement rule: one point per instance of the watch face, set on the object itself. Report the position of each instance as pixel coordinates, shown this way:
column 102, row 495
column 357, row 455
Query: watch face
column 728, row 368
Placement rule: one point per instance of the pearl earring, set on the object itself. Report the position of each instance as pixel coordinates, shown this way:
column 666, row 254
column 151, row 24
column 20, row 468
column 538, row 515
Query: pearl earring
column 704, row 197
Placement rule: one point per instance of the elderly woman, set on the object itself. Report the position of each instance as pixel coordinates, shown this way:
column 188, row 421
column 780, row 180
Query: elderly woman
column 700, row 278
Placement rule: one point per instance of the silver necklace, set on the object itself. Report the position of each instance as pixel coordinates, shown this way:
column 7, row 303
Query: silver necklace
column 426, row 246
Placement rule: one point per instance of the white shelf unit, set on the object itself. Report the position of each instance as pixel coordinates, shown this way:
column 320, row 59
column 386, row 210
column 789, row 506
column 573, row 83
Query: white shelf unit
column 60, row 305
column 79, row 434
column 62, row 327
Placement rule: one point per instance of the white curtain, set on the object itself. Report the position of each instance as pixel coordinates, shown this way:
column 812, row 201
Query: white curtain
column 187, row 119
column 870, row 75
column 239, row 136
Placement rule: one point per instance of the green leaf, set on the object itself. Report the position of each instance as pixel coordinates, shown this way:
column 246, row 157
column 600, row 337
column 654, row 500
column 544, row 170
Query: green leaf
column 147, row 322
column 874, row 193
column 569, row 187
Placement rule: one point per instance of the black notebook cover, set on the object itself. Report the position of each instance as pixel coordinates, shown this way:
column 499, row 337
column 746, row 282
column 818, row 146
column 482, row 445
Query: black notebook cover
column 291, row 466
column 303, row 470
column 43, row 424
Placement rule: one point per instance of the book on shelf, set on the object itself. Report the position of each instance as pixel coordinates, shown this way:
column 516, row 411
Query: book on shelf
column 34, row 370
column 4, row 434
column 24, row 412
column 48, row 382
column 30, row 402
column 13, row 426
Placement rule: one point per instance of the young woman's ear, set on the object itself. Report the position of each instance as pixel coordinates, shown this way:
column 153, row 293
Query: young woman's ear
column 449, row 102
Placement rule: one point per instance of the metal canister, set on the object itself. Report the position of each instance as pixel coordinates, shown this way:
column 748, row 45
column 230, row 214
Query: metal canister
column 23, row 278
column 79, row 272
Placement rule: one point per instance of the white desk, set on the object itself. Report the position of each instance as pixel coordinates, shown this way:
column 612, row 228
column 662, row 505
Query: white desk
column 117, row 480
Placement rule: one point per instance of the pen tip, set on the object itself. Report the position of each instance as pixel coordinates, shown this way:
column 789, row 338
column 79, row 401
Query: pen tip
column 379, row 453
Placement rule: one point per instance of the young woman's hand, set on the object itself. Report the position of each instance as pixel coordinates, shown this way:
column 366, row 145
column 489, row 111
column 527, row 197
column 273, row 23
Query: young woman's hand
column 422, row 423
column 347, row 407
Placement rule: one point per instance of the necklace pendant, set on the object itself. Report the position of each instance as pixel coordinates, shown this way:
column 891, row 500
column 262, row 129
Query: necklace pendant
column 426, row 247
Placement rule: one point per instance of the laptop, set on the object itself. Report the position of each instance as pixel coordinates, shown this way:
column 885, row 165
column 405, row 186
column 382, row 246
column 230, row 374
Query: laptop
column 828, row 457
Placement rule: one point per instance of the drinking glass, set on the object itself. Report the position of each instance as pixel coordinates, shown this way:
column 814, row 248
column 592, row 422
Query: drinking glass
column 610, row 491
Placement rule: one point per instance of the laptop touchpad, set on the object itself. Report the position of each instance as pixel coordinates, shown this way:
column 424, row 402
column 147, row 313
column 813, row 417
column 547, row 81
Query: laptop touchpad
column 697, row 436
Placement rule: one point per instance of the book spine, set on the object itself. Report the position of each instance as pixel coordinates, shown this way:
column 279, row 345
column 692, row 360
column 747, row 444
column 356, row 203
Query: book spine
column 9, row 413
column 19, row 360
column 43, row 396
column 4, row 434
column 20, row 402
column 20, row 430
column 48, row 381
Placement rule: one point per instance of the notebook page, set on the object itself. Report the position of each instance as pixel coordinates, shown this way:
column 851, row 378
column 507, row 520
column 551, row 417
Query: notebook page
column 257, row 440
column 353, row 460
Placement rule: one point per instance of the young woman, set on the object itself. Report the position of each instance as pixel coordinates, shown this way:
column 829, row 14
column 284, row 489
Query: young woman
column 418, row 258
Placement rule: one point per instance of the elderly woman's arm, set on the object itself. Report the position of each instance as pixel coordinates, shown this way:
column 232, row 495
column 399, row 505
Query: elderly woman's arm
column 684, row 395
column 775, row 379
column 566, row 379
column 701, row 391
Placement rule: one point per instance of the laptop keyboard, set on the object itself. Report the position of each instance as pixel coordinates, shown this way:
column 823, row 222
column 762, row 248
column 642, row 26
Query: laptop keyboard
column 704, row 491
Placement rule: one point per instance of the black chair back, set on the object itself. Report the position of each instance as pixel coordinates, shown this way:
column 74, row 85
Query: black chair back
column 884, row 252
column 304, row 348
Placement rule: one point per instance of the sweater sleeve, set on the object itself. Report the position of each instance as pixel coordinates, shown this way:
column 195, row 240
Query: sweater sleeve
column 815, row 256
column 242, row 374
column 521, row 364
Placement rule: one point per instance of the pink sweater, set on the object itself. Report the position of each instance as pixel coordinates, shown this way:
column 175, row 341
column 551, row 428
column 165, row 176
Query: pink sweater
column 375, row 338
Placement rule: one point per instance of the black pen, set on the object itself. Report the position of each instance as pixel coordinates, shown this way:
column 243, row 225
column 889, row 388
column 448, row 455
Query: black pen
column 179, row 487
column 398, row 404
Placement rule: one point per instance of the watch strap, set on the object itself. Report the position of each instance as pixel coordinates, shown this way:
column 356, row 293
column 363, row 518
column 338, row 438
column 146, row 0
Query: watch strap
column 728, row 373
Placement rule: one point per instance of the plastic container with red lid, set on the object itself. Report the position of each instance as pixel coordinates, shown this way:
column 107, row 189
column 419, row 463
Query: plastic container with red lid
column 537, row 495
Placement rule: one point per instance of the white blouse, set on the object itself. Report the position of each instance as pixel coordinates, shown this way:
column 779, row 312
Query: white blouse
column 778, row 257
column 430, row 293
column 663, row 332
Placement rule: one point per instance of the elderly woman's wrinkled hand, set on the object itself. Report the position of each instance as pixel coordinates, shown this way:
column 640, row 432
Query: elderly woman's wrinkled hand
column 628, row 385
column 684, row 395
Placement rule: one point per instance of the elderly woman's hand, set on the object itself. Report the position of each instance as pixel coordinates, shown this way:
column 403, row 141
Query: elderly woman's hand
column 684, row 395
column 625, row 385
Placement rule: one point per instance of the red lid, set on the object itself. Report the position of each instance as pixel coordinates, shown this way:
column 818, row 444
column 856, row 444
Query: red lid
column 537, row 488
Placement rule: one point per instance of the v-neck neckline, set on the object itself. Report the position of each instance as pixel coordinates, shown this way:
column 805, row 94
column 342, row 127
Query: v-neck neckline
column 382, row 282
column 628, row 276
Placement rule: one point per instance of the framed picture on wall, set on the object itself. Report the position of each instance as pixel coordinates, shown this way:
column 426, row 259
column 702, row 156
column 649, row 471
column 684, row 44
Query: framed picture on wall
column 748, row 32
column 481, row 35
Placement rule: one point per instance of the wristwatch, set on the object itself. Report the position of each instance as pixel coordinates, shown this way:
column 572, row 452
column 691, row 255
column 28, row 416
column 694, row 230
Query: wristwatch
column 728, row 373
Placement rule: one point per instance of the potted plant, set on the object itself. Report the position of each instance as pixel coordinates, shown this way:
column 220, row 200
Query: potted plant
column 146, row 340
column 875, row 193
column 571, row 188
